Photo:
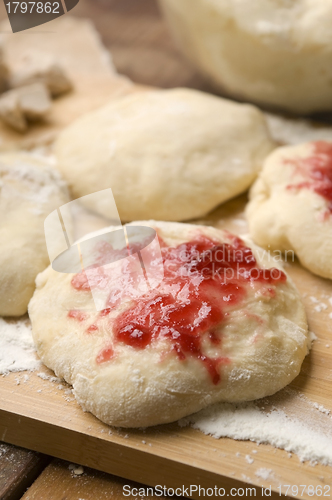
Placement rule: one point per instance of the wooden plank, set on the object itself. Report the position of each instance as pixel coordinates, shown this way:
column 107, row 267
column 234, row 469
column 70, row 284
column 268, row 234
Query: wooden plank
column 59, row 481
column 18, row 469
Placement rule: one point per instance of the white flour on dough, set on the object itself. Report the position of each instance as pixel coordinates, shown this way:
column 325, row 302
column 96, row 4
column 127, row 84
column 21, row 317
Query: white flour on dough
column 17, row 352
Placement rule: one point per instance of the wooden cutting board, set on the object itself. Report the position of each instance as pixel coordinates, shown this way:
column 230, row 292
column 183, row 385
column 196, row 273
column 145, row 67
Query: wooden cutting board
column 40, row 415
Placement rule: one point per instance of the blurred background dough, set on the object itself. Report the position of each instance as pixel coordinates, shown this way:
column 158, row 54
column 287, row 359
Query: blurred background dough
column 166, row 154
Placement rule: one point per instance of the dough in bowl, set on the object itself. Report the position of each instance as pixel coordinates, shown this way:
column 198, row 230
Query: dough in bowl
column 224, row 325
column 271, row 52
column 29, row 190
column 290, row 204
column 166, row 154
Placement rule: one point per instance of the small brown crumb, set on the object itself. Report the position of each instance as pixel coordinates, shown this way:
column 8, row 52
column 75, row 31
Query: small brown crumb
column 34, row 101
column 19, row 106
column 47, row 72
column 11, row 113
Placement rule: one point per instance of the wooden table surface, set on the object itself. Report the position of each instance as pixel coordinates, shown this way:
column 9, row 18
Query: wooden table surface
column 140, row 43
column 145, row 53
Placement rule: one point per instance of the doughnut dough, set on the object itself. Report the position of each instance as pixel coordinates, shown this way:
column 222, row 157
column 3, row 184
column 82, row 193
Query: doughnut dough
column 168, row 154
column 29, row 190
column 187, row 355
column 290, row 204
column 271, row 52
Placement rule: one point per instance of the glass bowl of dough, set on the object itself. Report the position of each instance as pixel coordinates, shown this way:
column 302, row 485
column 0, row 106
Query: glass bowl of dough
column 275, row 53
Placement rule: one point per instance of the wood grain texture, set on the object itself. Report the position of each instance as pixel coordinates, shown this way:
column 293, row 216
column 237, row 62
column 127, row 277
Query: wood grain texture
column 59, row 482
column 18, row 469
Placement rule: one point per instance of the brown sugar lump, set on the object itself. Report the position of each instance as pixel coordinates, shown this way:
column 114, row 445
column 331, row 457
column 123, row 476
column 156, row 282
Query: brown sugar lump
column 26, row 104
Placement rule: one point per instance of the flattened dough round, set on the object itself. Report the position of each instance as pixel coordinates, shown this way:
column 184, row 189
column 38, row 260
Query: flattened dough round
column 167, row 155
column 290, row 204
column 29, row 190
column 253, row 350
column 271, row 52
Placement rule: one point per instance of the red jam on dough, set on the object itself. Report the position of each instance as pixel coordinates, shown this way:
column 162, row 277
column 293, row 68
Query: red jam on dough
column 78, row 315
column 203, row 280
column 105, row 355
column 318, row 169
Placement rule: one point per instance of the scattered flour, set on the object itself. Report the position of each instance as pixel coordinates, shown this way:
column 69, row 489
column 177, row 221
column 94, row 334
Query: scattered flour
column 320, row 307
column 51, row 378
column 321, row 408
column 297, row 130
column 312, row 336
column 17, row 352
column 264, row 473
column 247, row 421
column 314, row 300
column 77, row 470
column 240, row 222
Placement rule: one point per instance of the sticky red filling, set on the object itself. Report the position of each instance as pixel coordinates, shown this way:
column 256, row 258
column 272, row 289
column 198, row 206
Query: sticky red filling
column 317, row 168
column 203, row 280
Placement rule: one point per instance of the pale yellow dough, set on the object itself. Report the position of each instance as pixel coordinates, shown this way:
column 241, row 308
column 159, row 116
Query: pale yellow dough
column 266, row 340
column 166, row 154
column 29, row 190
column 284, row 217
column 270, row 52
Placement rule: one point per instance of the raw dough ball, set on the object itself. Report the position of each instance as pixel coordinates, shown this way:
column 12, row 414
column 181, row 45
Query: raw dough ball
column 169, row 154
column 272, row 52
column 291, row 204
column 29, row 190
column 220, row 327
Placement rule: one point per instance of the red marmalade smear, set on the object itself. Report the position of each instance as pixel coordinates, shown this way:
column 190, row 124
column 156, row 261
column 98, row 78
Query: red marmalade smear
column 318, row 168
column 203, row 279
column 105, row 355
column 78, row 315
